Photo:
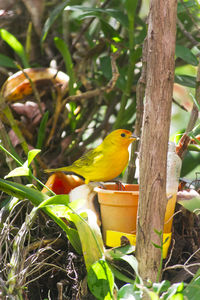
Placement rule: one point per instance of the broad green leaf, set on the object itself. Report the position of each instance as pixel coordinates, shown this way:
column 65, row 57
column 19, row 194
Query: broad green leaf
column 192, row 290
column 190, row 162
column 55, row 200
column 20, row 191
column 15, row 45
column 7, row 62
column 132, row 261
column 119, row 275
column 32, row 154
column 160, row 287
column 192, row 205
column 130, row 6
column 63, row 211
column 193, row 147
column 23, row 192
column 20, row 171
column 152, row 295
column 41, row 132
column 105, row 64
column 127, row 292
column 52, row 18
column 64, row 50
column 116, row 253
column 101, row 281
column 99, row 12
column 186, row 55
column 90, row 236
column 174, row 292
column 186, row 80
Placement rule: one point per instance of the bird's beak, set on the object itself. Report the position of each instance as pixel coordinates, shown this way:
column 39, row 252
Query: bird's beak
column 133, row 137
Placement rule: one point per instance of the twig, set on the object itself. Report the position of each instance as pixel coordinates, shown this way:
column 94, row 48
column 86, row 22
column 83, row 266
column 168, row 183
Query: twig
column 179, row 266
column 84, row 28
column 186, row 33
column 98, row 130
column 108, row 88
column 179, row 105
column 58, row 109
column 182, row 145
column 140, row 93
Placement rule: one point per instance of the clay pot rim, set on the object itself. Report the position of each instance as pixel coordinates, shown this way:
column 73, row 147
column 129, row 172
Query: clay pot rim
column 108, row 191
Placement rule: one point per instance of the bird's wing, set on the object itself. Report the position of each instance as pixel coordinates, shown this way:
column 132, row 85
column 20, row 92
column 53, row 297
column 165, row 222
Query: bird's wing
column 89, row 159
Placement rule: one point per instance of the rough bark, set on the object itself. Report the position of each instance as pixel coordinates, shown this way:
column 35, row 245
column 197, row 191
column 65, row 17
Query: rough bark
column 155, row 133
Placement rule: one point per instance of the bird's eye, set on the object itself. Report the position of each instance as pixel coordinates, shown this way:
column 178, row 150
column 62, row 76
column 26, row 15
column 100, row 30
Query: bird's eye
column 123, row 134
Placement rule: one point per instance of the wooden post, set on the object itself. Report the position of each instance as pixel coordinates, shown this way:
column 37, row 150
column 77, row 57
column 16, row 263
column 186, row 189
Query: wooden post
column 161, row 38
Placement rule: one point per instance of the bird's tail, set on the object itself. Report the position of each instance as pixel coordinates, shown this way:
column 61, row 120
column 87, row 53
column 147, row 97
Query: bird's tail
column 64, row 169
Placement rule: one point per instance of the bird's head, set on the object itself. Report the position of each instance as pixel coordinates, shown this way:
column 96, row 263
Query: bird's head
column 120, row 137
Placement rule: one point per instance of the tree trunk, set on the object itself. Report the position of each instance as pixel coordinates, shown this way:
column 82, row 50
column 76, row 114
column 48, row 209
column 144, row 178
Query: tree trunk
column 161, row 38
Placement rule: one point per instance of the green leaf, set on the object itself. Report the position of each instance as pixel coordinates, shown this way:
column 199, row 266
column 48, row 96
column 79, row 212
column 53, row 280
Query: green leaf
column 119, row 275
column 55, row 200
column 196, row 130
column 186, row 80
column 23, row 192
column 20, row 191
column 20, row 171
column 41, row 132
column 186, row 55
column 32, row 154
column 132, row 261
column 62, row 47
column 90, row 236
column 105, row 65
column 160, row 287
column 128, row 292
column 52, row 18
column 108, row 30
column 101, row 281
column 116, row 253
column 195, row 101
column 183, row 6
column 192, row 290
column 99, row 13
column 15, row 45
column 130, row 6
column 7, row 62
column 192, row 205
column 174, row 290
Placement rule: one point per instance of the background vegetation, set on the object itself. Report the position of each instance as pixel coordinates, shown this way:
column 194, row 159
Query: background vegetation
column 99, row 45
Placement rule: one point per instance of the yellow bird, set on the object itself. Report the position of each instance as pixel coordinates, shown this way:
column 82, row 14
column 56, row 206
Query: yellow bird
column 106, row 161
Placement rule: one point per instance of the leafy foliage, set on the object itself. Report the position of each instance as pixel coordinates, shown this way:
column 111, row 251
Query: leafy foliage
column 100, row 47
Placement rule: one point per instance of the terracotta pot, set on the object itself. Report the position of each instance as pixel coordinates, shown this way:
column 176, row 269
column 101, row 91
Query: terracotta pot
column 118, row 207
column 119, row 214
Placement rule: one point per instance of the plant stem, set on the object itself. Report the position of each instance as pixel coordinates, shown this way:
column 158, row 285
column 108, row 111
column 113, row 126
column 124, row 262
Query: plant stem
column 130, row 71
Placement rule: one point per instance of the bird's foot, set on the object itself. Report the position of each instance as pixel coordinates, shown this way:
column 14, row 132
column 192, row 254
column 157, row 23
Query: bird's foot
column 120, row 185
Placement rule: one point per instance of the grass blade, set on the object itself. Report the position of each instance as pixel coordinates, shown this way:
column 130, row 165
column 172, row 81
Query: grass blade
column 15, row 45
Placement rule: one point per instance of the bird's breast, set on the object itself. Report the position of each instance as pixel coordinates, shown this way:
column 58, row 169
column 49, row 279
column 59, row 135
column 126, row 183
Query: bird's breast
column 114, row 163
